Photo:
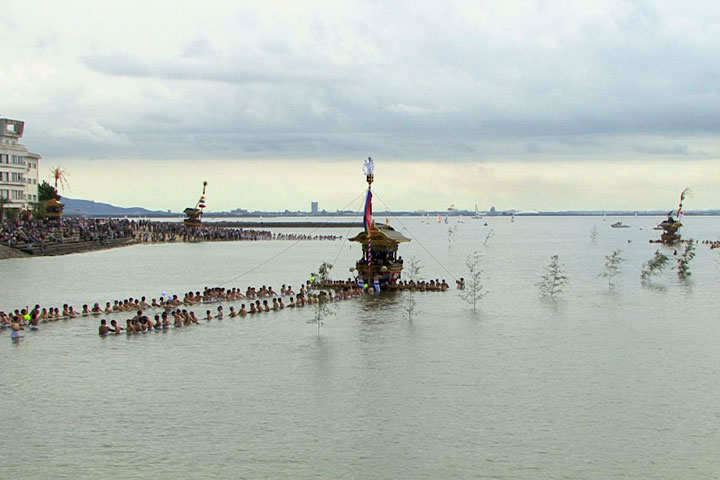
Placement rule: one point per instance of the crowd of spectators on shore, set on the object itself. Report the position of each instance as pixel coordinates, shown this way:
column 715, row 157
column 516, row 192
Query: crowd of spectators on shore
column 21, row 233
column 36, row 235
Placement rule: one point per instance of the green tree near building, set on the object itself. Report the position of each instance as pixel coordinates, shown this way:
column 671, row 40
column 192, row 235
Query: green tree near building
column 46, row 192
column 3, row 202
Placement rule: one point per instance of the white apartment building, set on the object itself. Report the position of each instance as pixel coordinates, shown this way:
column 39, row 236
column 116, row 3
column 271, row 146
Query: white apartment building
column 18, row 167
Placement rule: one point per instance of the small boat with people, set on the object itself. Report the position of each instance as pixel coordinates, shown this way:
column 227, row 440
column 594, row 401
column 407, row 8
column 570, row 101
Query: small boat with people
column 477, row 215
column 619, row 225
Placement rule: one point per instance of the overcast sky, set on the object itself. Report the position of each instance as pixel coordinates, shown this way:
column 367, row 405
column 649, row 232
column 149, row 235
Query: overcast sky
column 518, row 104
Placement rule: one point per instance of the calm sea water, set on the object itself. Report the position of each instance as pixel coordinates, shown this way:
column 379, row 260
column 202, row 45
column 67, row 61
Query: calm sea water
column 596, row 384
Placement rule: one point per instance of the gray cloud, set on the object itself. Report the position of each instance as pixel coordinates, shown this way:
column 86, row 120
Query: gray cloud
column 676, row 150
column 202, row 68
column 411, row 79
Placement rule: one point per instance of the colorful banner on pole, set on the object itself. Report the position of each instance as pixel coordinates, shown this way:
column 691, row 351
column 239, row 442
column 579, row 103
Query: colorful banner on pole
column 367, row 217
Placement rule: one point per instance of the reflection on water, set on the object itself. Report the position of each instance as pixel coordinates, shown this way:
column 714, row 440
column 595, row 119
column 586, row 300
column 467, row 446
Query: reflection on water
column 377, row 306
column 597, row 384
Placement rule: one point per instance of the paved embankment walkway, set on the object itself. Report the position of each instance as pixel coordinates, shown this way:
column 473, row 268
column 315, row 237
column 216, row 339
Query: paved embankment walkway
column 62, row 248
column 7, row 252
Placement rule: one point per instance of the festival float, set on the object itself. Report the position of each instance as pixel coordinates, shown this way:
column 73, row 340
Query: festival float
column 193, row 214
column 671, row 225
column 54, row 208
column 380, row 265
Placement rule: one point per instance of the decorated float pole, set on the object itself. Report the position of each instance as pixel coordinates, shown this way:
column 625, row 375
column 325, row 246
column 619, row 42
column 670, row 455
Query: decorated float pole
column 194, row 215
column 201, row 202
column 369, row 170
column 379, row 266
column 682, row 198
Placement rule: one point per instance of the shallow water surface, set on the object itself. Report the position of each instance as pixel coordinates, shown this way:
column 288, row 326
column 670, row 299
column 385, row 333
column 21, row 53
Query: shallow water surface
column 596, row 384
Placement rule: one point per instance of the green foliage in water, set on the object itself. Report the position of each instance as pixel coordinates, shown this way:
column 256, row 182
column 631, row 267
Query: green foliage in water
column 683, row 262
column 413, row 273
column 323, row 308
column 324, row 271
column 490, row 235
column 612, row 267
column 474, row 290
column 554, row 280
column 654, row 266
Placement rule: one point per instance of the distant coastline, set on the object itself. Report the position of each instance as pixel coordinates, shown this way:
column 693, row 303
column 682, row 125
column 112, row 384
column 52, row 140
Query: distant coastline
column 87, row 208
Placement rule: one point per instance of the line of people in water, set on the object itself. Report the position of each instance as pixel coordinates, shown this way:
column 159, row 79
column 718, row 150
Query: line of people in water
column 713, row 244
column 162, row 232
column 436, row 285
column 260, row 299
column 179, row 232
column 178, row 318
column 173, row 317
column 304, row 236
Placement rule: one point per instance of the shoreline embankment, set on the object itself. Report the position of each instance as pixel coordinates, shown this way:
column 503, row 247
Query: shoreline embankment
column 9, row 252
column 169, row 232
column 56, row 249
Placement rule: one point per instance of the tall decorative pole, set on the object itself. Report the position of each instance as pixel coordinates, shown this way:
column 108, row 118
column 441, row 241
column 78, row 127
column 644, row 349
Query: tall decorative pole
column 369, row 170
column 682, row 198
column 201, row 202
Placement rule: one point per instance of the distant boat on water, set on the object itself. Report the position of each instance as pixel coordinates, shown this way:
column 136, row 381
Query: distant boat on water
column 477, row 215
column 619, row 225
